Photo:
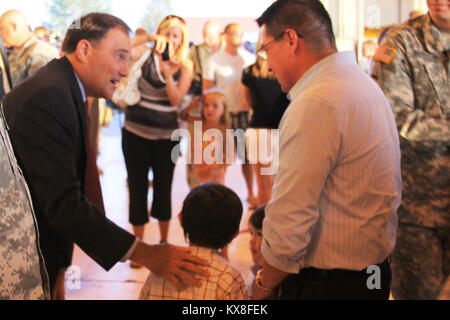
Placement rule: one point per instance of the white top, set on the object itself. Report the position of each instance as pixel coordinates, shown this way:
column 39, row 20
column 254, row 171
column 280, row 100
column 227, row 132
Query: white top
column 226, row 71
column 335, row 197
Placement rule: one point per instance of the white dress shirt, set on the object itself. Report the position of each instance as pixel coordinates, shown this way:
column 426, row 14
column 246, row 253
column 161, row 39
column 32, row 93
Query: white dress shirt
column 335, row 196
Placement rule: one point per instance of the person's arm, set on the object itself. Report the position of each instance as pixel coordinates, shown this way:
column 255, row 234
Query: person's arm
column 246, row 98
column 395, row 77
column 270, row 281
column 309, row 143
column 138, row 40
column 185, row 113
column 159, row 41
column 176, row 91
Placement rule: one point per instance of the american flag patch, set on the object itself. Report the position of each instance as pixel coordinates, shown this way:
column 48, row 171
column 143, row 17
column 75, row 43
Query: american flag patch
column 385, row 54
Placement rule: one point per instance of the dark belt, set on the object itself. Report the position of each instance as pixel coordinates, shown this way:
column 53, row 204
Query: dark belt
column 327, row 273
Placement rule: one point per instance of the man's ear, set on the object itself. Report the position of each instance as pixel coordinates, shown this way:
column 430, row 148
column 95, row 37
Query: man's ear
column 83, row 50
column 293, row 38
column 12, row 26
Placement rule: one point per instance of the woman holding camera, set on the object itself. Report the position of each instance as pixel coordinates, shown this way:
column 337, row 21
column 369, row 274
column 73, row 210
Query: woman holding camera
column 166, row 78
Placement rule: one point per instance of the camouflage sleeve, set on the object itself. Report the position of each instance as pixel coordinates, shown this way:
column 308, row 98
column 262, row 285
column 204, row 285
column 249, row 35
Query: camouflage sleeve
column 395, row 78
column 39, row 60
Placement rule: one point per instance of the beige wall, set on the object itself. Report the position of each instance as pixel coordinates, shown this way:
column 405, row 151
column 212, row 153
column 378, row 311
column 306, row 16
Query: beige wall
column 351, row 16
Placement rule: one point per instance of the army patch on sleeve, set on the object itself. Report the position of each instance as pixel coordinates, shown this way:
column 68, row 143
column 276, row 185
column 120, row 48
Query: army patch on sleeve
column 384, row 54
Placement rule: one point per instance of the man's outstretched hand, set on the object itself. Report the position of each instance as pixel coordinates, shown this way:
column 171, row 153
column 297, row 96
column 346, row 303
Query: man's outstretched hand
column 173, row 263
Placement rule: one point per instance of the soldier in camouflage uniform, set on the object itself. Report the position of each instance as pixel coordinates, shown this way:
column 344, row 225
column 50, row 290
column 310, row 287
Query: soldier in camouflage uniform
column 22, row 269
column 412, row 67
column 29, row 52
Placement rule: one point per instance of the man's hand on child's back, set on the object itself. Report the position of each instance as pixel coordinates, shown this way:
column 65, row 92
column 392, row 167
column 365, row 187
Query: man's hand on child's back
column 170, row 262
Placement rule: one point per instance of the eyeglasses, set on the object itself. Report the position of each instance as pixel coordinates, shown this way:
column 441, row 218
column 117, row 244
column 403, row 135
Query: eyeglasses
column 262, row 52
column 171, row 16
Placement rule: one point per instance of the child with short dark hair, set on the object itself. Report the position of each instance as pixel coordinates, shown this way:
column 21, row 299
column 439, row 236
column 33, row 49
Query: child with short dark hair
column 255, row 223
column 210, row 218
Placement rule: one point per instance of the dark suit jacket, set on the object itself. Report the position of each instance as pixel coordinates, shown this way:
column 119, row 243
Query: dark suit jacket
column 48, row 132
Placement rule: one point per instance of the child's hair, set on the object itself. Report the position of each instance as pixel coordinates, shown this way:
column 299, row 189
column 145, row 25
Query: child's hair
column 211, row 215
column 221, row 95
column 257, row 217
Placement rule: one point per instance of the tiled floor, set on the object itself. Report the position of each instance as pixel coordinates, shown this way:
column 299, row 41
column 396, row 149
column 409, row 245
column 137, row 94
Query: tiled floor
column 123, row 282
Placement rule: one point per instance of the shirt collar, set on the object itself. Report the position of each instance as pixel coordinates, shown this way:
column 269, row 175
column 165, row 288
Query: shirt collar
column 321, row 67
column 203, row 252
column 83, row 92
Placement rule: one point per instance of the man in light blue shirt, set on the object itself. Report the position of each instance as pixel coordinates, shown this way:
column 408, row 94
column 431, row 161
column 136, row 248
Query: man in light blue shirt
column 332, row 218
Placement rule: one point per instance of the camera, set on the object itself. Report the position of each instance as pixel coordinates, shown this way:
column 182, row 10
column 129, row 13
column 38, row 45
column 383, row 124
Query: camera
column 165, row 54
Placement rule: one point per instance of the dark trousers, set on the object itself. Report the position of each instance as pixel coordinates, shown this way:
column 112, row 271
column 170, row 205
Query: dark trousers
column 140, row 155
column 336, row 284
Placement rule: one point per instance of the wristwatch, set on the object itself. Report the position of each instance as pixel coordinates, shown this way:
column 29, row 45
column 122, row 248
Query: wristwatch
column 259, row 285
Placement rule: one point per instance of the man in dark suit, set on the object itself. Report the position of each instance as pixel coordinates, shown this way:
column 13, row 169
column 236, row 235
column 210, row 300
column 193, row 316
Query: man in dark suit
column 47, row 117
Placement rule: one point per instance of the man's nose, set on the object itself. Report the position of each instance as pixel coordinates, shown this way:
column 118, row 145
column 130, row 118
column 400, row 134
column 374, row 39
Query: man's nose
column 124, row 71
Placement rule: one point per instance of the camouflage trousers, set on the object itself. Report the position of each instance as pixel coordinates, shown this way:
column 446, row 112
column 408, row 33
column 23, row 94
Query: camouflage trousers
column 420, row 262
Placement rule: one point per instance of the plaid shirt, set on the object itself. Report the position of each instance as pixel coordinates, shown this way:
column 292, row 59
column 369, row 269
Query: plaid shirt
column 224, row 283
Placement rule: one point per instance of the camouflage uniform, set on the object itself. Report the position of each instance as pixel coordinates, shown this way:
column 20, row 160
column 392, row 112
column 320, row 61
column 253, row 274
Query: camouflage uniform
column 25, row 61
column 416, row 82
column 22, row 270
